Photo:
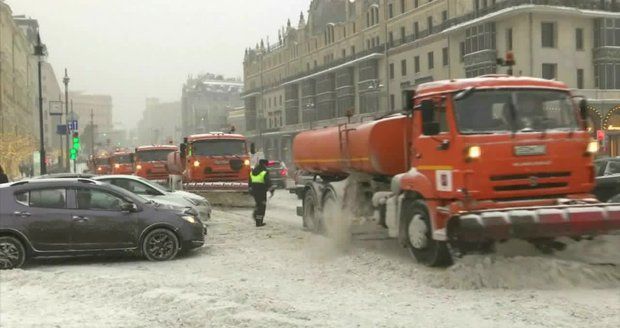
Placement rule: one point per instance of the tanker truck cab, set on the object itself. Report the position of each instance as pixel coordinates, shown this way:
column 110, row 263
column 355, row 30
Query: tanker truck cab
column 485, row 160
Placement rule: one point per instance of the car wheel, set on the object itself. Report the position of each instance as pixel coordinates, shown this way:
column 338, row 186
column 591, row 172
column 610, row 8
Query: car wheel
column 160, row 245
column 422, row 246
column 12, row 253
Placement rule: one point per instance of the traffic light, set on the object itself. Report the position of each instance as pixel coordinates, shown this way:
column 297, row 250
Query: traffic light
column 73, row 152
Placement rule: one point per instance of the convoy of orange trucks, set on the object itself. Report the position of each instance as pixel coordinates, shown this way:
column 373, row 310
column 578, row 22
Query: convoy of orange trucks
column 470, row 162
column 215, row 165
column 121, row 162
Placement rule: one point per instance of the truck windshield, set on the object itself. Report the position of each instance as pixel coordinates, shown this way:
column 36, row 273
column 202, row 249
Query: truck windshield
column 102, row 161
column 123, row 159
column 219, row 148
column 505, row 111
column 153, row 155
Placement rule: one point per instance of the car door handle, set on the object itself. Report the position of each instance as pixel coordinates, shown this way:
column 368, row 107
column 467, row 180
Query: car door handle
column 80, row 218
column 22, row 214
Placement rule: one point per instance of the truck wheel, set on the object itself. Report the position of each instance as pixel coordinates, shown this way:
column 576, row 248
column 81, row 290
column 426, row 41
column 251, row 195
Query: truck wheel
column 12, row 253
column 415, row 222
column 310, row 218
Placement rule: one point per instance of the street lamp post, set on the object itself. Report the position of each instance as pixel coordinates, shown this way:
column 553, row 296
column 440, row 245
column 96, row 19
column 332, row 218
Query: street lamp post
column 39, row 51
column 66, row 80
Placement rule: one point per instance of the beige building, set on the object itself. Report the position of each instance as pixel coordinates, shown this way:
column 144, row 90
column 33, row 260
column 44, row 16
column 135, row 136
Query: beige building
column 83, row 104
column 160, row 123
column 236, row 119
column 357, row 58
column 18, row 78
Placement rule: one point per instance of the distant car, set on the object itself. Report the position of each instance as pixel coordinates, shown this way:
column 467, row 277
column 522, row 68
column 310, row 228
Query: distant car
column 156, row 192
column 278, row 173
column 67, row 217
column 607, row 179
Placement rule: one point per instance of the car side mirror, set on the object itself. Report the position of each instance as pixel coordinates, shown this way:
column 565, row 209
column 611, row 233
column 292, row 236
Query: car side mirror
column 583, row 109
column 129, row 208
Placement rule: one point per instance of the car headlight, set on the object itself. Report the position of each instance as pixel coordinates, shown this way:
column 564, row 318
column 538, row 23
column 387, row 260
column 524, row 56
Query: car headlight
column 189, row 218
column 474, row 152
column 247, row 162
column 593, row 147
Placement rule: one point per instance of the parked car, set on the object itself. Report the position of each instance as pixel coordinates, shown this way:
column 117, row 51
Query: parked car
column 68, row 217
column 607, row 179
column 156, row 192
column 278, row 173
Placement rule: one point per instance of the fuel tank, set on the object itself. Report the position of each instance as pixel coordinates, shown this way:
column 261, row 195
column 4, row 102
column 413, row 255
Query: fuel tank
column 376, row 148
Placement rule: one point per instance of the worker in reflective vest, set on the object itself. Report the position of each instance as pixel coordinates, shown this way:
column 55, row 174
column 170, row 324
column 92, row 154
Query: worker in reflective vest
column 260, row 184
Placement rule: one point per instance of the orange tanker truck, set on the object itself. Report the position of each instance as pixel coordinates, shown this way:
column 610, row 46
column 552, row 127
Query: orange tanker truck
column 215, row 165
column 150, row 162
column 470, row 162
column 122, row 162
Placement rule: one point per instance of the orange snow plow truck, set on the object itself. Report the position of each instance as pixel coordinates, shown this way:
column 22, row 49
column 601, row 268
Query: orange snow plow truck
column 215, row 165
column 469, row 163
column 150, row 162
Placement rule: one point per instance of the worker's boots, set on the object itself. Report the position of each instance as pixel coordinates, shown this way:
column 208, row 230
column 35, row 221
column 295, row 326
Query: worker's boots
column 259, row 220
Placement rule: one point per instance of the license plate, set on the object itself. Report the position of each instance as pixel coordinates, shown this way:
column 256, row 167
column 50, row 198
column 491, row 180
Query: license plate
column 530, row 150
column 221, row 162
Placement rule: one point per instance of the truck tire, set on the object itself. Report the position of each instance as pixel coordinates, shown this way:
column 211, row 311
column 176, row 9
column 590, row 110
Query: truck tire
column 415, row 223
column 311, row 212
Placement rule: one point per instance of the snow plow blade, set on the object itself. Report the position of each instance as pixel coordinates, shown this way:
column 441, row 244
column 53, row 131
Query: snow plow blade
column 534, row 223
column 227, row 194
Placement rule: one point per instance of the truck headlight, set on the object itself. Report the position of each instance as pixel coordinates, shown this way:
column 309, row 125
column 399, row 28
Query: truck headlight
column 593, row 147
column 117, row 166
column 196, row 164
column 189, row 218
column 247, row 162
column 138, row 167
column 474, row 152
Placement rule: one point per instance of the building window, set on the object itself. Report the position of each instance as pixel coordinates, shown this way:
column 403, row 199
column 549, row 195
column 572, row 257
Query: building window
column 353, row 51
column 416, row 30
column 462, row 51
column 479, row 38
column 392, row 102
column 391, row 38
column 444, row 16
column 445, row 56
column 416, row 64
column 608, row 76
column 391, row 71
column 403, row 67
column 548, row 35
column 390, row 11
column 402, row 6
column 429, row 24
column 509, row 39
column 344, row 53
column 549, row 71
column 402, row 34
column 580, row 78
column 579, row 39
column 431, row 60
column 416, row 3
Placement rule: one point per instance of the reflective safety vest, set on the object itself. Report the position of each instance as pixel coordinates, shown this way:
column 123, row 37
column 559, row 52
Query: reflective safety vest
column 259, row 178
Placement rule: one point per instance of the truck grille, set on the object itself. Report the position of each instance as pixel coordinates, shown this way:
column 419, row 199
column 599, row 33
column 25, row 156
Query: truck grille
column 531, row 187
column 540, row 175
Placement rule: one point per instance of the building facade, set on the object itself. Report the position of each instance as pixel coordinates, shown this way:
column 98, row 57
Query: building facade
column 205, row 103
column 160, row 123
column 351, row 60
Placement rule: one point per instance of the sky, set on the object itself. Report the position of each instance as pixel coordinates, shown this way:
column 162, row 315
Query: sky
column 134, row 49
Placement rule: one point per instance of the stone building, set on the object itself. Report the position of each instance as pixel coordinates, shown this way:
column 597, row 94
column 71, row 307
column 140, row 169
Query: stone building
column 160, row 123
column 205, row 103
column 355, row 58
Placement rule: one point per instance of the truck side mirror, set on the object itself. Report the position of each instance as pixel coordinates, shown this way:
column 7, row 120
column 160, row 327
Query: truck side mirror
column 182, row 149
column 252, row 148
column 583, row 109
column 409, row 103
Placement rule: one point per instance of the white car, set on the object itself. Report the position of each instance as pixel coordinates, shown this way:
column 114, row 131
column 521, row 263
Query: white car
column 160, row 194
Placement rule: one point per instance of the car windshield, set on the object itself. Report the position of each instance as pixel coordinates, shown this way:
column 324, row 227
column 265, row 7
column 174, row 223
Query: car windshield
column 101, row 161
column 123, row 159
column 219, row 147
column 505, row 111
column 153, row 155
column 155, row 185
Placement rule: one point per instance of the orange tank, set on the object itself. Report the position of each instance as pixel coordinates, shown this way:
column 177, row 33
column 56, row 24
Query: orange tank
column 376, row 148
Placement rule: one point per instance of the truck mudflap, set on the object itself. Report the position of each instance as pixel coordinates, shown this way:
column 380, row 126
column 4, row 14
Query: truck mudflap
column 228, row 194
column 535, row 223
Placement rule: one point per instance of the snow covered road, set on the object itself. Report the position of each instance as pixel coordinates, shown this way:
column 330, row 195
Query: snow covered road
column 281, row 276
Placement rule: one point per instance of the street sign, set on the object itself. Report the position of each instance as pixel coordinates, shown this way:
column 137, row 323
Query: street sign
column 55, row 108
column 73, row 125
column 61, row 129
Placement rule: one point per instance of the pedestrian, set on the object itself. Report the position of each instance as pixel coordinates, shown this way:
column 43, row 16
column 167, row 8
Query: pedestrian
column 260, row 184
column 3, row 177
